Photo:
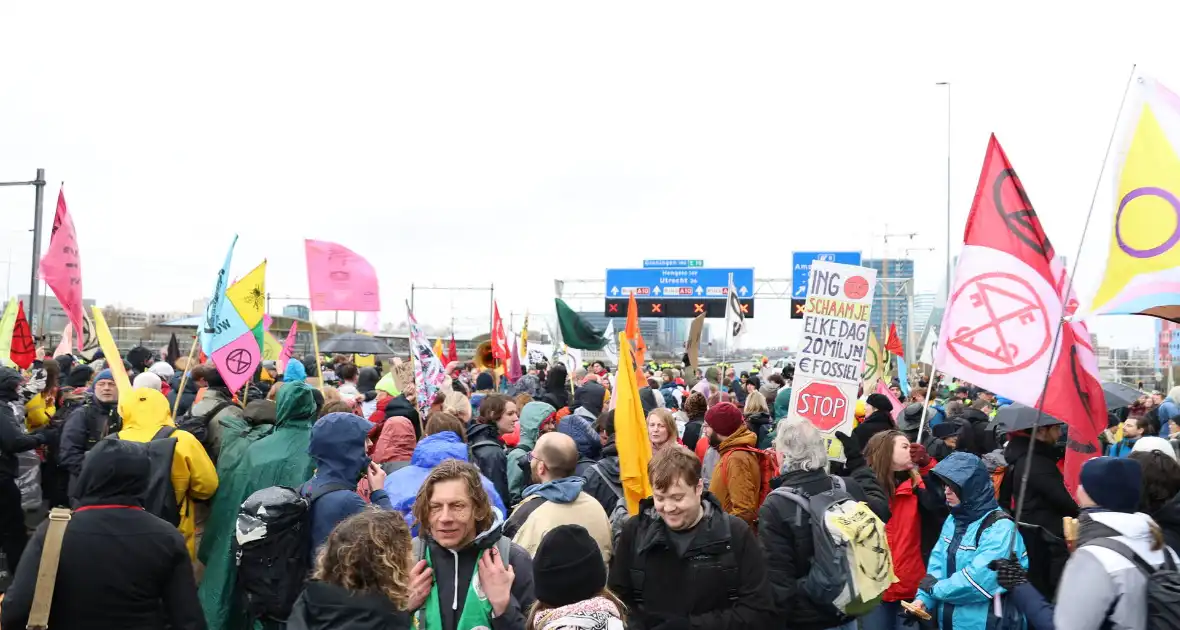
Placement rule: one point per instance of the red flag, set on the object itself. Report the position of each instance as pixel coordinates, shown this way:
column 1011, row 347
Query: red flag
column 24, row 351
column 61, row 266
column 893, row 342
column 500, row 349
column 452, row 350
column 1009, row 295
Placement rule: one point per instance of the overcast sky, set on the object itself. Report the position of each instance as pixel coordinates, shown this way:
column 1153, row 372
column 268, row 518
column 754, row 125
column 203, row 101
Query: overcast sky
column 464, row 144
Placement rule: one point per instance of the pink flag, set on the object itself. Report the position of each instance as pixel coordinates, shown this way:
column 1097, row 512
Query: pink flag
column 237, row 360
column 67, row 342
column 897, row 406
column 288, row 348
column 61, row 267
column 339, row 279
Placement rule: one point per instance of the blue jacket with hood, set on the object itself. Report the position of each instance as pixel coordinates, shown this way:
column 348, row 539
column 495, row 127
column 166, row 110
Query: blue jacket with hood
column 338, row 447
column 960, row 596
column 402, row 486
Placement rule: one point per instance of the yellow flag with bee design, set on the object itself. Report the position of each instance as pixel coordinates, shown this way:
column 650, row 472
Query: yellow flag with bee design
column 248, row 295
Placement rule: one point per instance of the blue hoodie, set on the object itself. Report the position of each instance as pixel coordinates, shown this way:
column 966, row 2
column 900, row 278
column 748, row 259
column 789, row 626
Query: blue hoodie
column 295, row 372
column 563, row 490
column 961, row 596
column 338, row 447
column 402, row 486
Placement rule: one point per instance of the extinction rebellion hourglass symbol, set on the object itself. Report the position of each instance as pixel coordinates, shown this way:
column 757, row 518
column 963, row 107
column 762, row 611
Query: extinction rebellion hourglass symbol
column 1007, row 328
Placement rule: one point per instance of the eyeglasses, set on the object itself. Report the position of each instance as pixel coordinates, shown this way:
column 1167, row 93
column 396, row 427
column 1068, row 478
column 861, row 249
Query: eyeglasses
column 531, row 457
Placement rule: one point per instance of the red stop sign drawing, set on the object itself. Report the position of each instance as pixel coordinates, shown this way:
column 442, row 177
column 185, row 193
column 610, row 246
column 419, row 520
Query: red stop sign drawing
column 823, row 405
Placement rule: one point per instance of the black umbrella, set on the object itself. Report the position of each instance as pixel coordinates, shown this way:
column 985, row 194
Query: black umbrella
column 1119, row 395
column 1018, row 417
column 354, row 343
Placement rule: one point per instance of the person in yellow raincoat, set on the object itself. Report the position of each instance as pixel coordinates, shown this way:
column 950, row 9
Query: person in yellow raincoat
column 193, row 474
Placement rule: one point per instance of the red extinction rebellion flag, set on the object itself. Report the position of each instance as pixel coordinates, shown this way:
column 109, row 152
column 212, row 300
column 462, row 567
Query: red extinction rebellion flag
column 1002, row 315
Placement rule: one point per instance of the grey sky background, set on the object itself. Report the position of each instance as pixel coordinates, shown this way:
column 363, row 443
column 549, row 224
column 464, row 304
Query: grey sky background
column 471, row 143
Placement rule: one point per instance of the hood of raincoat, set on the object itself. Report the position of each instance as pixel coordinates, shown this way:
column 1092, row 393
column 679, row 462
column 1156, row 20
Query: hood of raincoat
column 367, row 380
column 338, row 447
column 969, row 477
column 584, row 435
column 433, row 449
column 563, row 490
column 115, row 473
column 145, row 408
column 295, row 402
column 388, row 385
column 531, row 417
column 590, row 397
column 396, row 442
column 295, row 372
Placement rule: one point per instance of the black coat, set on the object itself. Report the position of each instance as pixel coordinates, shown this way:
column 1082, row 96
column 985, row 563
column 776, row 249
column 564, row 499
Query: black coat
column 1048, row 501
column 877, row 422
column 789, row 547
column 692, row 432
column 1168, row 518
column 691, row 587
column 324, row 606
column 974, row 440
column 12, row 439
column 596, row 486
column 120, row 568
column 85, row 427
column 491, row 457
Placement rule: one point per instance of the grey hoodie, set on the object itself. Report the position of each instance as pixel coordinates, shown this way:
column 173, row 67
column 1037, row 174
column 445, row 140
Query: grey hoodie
column 1096, row 577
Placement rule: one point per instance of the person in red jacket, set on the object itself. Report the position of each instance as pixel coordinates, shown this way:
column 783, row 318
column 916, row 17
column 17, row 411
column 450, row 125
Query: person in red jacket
column 902, row 470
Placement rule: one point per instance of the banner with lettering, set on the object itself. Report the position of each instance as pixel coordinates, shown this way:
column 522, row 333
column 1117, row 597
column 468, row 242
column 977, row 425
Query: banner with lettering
column 832, row 350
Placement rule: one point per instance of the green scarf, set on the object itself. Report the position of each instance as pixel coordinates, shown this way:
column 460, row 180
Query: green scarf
column 477, row 610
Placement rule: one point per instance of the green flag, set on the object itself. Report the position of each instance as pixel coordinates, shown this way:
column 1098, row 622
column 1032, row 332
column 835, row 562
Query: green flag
column 575, row 331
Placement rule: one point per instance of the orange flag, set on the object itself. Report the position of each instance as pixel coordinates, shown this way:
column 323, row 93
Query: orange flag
column 631, row 436
column 636, row 339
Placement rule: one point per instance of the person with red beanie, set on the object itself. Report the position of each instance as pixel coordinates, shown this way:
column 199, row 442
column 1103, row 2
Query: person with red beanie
column 737, row 480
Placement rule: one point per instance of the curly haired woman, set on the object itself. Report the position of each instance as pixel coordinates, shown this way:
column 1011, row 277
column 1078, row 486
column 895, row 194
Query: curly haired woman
column 361, row 579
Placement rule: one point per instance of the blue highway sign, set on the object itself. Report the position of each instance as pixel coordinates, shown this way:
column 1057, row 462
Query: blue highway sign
column 689, row 282
column 801, row 268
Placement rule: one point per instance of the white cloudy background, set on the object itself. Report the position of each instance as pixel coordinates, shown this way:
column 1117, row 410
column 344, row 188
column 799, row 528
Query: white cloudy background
column 514, row 143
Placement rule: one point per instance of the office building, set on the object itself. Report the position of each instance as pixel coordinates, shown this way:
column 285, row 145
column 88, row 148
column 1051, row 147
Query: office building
column 893, row 296
column 298, row 311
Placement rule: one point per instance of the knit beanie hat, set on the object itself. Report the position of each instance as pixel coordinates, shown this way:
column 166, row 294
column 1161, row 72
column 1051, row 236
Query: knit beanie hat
column 568, row 567
column 944, row 429
column 147, row 379
column 879, row 401
column 79, row 376
column 104, row 375
column 725, row 418
column 1113, row 482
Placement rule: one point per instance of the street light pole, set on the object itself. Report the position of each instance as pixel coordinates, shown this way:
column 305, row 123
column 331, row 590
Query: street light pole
column 38, row 203
column 948, row 187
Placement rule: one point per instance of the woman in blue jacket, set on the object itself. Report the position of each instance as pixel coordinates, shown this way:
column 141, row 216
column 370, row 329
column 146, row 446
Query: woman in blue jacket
column 959, row 586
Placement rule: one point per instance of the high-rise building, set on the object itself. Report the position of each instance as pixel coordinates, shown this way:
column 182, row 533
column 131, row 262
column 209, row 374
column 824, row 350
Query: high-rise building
column 923, row 307
column 891, row 300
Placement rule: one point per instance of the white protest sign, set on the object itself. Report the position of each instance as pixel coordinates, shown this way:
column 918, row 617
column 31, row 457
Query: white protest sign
column 832, row 350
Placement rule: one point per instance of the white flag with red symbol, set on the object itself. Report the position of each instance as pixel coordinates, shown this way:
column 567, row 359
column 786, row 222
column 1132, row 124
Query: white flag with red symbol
column 1003, row 311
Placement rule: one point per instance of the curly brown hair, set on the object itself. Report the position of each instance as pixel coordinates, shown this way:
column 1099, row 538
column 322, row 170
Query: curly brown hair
column 451, row 470
column 492, row 407
column 696, row 405
column 369, row 552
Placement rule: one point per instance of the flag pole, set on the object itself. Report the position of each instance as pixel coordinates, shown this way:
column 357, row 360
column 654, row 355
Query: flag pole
column 192, row 352
column 315, row 343
column 1068, row 290
column 929, row 389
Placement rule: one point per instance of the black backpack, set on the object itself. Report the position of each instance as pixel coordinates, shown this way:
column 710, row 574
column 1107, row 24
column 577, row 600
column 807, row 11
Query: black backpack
column 160, row 499
column 272, row 544
column 198, row 426
column 1163, row 584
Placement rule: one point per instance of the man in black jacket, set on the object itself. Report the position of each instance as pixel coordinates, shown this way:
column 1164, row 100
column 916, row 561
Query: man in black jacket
column 120, row 567
column 1046, row 503
column 95, row 420
column 975, row 419
column 684, row 563
column 13, row 440
column 602, row 479
column 787, row 535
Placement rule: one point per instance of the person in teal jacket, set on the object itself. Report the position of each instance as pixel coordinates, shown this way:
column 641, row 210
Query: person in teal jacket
column 959, row 587
column 1133, row 429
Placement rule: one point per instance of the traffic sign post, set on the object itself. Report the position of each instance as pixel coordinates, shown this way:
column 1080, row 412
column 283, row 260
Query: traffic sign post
column 686, row 283
column 801, row 267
